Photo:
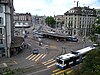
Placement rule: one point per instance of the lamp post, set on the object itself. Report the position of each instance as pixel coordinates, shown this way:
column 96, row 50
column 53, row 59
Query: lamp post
column 85, row 31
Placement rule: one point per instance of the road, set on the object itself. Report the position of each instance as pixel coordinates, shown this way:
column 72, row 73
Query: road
column 44, row 62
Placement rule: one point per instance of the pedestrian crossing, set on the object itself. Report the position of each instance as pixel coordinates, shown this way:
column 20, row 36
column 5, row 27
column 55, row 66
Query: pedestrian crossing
column 49, row 63
column 35, row 57
column 62, row 72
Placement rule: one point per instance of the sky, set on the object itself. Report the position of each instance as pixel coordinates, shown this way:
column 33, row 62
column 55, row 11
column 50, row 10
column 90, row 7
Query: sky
column 51, row 7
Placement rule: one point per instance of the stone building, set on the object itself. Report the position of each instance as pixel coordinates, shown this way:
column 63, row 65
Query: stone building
column 79, row 20
column 6, row 27
column 23, row 19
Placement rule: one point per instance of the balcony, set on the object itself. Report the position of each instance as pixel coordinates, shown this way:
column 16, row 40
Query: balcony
column 4, row 1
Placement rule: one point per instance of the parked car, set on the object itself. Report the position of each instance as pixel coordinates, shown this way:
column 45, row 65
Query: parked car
column 35, row 51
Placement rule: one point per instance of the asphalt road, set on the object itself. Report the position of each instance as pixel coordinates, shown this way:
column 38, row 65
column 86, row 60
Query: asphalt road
column 44, row 62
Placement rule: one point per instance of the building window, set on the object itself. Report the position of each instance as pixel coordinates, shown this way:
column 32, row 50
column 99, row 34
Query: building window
column 0, row 30
column 1, row 20
column 1, row 9
column 1, row 41
column 74, row 32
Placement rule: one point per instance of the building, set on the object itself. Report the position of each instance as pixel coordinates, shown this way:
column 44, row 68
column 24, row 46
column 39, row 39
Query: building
column 79, row 20
column 39, row 20
column 6, row 27
column 22, row 19
column 59, row 21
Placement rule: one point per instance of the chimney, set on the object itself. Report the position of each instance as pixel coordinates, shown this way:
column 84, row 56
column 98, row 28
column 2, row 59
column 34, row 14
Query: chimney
column 77, row 3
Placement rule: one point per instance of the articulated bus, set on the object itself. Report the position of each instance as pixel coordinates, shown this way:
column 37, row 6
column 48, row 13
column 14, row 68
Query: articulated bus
column 73, row 58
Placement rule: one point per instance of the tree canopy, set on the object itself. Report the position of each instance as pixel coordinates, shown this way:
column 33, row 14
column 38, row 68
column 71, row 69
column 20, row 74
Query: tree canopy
column 91, row 65
column 98, row 29
column 50, row 21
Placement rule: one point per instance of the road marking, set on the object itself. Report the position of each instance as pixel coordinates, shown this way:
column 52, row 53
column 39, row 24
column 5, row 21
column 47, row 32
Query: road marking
column 59, row 72
column 69, row 71
column 38, row 71
column 51, row 65
column 49, row 62
column 62, row 71
column 5, row 65
column 15, row 62
column 39, row 57
column 43, row 56
column 35, row 57
column 29, row 56
column 54, row 47
column 56, row 70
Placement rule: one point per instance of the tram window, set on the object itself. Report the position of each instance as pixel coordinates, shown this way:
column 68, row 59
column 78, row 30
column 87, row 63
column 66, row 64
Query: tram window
column 66, row 61
column 59, row 61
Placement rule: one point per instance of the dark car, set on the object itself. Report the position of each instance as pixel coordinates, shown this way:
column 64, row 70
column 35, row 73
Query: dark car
column 72, row 38
column 35, row 51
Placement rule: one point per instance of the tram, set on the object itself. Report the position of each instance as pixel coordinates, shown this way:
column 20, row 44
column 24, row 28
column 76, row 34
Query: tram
column 73, row 58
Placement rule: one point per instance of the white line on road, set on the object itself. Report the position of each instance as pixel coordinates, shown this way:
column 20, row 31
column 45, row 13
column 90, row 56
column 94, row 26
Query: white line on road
column 38, row 71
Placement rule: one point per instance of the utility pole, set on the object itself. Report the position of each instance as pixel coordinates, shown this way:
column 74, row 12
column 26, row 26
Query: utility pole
column 85, row 31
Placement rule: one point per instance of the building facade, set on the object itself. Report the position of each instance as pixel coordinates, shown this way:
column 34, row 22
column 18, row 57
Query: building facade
column 39, row 20
column 59, row 21
column 6, row 27
column 22, row 19
column 79, row 20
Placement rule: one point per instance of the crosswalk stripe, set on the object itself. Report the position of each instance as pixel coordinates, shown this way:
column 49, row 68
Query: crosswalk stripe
column 15, row 62
column 62, row 71
column 51, row 65
column 49, row 62
column 39, row 57
column 69, row 71
column 43, row 56
column 29, row 56
column 35, row 57
column 56, row 70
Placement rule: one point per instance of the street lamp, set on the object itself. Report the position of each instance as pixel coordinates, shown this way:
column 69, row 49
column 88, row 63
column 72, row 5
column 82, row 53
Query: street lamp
column 84, row 38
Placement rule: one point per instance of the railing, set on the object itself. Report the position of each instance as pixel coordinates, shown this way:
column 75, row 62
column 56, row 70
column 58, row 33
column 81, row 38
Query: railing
column 4, row 1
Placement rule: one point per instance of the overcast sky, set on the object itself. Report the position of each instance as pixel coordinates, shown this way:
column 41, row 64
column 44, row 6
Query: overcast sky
column 51, row 7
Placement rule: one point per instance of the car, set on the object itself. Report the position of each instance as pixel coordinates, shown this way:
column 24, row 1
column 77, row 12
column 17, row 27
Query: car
column 35, row 51
column 72, row 38
column 95, row 45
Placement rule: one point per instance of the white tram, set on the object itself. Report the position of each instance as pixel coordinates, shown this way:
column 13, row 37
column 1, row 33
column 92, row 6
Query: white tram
column 72, row 58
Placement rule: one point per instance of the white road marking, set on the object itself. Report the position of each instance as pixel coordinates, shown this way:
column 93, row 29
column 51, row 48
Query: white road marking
column 29, row 56
column 38, row 71
column 39, row 57
column 49, row 62
column 51, row 65
column 32, row 57
column 43, row 56
column 35, row 57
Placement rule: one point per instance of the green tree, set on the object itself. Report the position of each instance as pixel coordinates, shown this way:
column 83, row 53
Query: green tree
column 50, row 21
column 98, row 29
column 98, row 21
column 91, row 65
column 93, row 29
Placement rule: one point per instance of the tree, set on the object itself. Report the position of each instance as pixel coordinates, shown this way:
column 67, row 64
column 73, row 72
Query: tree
column 91, row 65
column 93, row 29
column 98, row 29
column 50, row 21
